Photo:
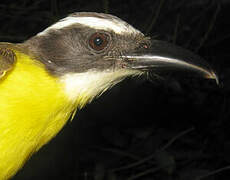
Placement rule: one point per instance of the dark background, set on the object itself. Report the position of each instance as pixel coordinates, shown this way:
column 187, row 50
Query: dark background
column 175, row 128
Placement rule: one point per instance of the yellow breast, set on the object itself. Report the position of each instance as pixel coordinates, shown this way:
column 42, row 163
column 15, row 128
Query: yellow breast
column 33, row 108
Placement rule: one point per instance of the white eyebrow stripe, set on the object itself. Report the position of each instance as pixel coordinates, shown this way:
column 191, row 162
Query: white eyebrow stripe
column 117, row 26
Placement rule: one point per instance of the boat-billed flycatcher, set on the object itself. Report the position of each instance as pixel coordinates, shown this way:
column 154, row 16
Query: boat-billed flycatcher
column 46, row 78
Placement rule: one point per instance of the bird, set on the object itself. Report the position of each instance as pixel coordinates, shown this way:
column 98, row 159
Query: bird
column 47, row 78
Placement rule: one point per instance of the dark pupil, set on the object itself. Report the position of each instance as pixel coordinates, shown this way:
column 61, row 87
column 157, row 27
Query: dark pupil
column 98, row 41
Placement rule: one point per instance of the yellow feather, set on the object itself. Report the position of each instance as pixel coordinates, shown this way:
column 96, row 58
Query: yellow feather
column 33, row 108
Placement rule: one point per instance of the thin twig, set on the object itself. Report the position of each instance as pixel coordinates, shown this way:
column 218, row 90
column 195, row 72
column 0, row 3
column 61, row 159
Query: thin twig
column 106, row 6
column 148, row 158
column 176, row 29
column 201, row 18
column 135, row 163
column 148, row 171
column 210, row 27
column 12, row 38
column 213, row 172
column 119, row 152
column 154, row 19
column 54, row 7
column 176, row 137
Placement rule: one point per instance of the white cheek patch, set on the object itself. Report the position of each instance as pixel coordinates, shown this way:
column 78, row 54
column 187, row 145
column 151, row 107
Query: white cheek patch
column 117, row 26
column 88, row 85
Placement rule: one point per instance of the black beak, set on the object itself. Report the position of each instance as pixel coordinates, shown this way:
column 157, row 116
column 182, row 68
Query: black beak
column 165, row 56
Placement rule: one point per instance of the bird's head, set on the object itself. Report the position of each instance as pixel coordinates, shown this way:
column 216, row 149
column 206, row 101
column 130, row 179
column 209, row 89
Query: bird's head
column 90, row 52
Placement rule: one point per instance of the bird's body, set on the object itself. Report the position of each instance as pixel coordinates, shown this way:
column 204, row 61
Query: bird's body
column 33, row 108
column 44, row 80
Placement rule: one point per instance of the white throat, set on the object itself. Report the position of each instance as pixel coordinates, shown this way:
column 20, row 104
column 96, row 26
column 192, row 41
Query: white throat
column 88, row 85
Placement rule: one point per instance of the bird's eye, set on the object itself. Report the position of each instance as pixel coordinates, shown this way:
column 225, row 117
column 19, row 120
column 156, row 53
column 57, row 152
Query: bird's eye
column 98, row 41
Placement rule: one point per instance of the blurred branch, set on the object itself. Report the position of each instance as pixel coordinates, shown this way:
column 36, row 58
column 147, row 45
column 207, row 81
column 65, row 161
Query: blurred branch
column 148, row 171
column 176, row 137
column 148, row 158
column 119, row 152
column 155, row 17
column 176, row 29
column 35, row 5
column 218, row 40
column 213, row 172
column 54, row 7
column 40, row 16
column 211, row 25
column 106, row 6
column 12, row 38
column 200, row 17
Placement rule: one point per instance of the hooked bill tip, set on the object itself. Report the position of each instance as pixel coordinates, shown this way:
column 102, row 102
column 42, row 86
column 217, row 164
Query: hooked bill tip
column 213, row 75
